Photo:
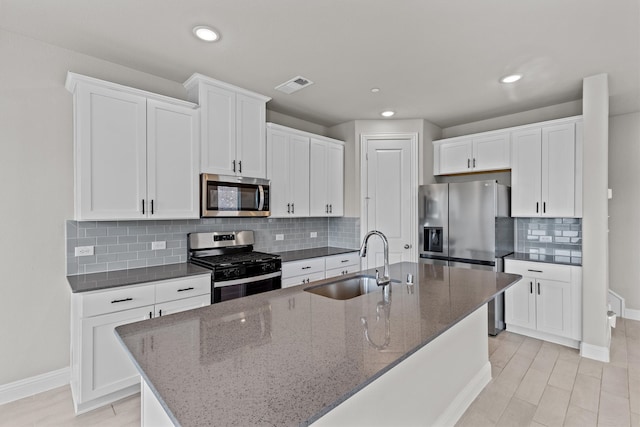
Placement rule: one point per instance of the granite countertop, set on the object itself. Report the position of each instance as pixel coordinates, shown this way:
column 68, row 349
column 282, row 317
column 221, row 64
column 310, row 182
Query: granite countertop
column 113, row 279
column 312, row 253
column 287, row 357
column 549, row 259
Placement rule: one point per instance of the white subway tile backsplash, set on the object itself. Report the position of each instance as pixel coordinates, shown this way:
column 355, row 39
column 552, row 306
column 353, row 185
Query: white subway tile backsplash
column 127, row 244
column 557, row 236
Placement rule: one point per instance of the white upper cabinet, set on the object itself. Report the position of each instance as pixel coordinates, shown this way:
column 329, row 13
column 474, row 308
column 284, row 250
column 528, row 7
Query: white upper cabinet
column 288, row 170
column 136, row 153
column 545, row 173
column 484, row 152
column 306, row 173
column 232, row 127
column 327, row 177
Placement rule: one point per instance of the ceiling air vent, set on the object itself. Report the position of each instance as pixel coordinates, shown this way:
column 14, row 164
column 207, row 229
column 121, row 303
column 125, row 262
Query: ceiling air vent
column 294, row 85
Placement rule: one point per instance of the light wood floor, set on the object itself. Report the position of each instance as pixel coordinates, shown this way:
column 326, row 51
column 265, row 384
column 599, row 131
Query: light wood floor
column 534, row 383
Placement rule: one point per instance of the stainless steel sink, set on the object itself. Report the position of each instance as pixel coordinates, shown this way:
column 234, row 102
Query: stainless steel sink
column 343, row 289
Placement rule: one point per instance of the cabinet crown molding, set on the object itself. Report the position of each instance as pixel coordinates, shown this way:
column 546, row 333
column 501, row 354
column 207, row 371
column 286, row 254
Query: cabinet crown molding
column 73, row 79
column 277, row 127
column 197, row 78
column 509, row 129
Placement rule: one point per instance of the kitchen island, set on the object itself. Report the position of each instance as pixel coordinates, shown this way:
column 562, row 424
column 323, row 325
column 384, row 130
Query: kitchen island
column 291, row 357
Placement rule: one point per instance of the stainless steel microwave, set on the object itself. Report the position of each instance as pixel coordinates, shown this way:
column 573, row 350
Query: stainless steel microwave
column 233, row 196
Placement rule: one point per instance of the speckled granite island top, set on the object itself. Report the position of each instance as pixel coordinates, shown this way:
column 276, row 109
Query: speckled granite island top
column 114, row 279
column 287, row 357
column 312, row 253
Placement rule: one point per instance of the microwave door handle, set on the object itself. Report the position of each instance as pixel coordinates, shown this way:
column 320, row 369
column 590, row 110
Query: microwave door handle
column 260, row 197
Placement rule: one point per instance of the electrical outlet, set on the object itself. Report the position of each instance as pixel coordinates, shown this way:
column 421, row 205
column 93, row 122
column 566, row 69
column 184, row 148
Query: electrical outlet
column 158, row 245
column 314, row 234
column 84, row 250
column 279, row 236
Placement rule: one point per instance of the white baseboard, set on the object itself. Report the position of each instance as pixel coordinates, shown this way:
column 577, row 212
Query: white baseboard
column 34, row 385
column 632, row 314
column 594, row 352
column 466, row 397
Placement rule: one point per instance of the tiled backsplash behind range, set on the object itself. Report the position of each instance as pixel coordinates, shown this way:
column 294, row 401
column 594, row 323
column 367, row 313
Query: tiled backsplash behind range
column 549, row 236
column 120, row 245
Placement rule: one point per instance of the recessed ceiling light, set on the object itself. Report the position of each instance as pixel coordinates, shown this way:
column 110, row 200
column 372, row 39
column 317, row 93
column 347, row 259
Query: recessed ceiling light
column 375, row 90
column 511, row 78
column 387, row 113
column 206, row 34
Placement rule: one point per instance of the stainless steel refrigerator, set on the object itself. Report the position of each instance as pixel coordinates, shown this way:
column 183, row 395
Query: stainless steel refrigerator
column 467, row 225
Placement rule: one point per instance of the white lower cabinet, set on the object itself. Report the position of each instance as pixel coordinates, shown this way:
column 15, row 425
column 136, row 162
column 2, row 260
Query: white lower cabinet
column 546, row 303
column 309, row 270
column 101, row 371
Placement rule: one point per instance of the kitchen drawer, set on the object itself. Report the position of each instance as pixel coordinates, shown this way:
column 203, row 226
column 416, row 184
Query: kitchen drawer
column 304, row 267
column 342, row 271
column 125, row 298
column 539, row 270
column 302, row 280
column 174, row 289
column 342, row 260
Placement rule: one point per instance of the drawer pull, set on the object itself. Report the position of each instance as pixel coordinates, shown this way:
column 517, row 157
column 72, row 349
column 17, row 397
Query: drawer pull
column 345, row 260
column 185, row 289
column 121, row 300
column 536, row 271
column 306, row 268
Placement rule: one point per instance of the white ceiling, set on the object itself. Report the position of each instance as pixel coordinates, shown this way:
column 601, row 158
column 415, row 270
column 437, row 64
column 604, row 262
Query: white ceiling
column 434, row 59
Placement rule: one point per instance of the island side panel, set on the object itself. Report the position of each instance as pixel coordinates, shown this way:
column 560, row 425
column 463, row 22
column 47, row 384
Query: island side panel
column 433, row 386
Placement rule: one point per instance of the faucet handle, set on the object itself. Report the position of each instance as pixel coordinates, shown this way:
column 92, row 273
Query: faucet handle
column 377, row 275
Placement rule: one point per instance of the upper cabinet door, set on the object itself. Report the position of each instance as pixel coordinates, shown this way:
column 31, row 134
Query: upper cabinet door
column 111, row 158
column 278, row 173
column 251, row 149
column 456, row 157
column 558, row 170
column 173, row 148
column 299, row 175
column 526, row 159
column 318, row 204
column 491, row 153
column 218, row 106
column 335, row 179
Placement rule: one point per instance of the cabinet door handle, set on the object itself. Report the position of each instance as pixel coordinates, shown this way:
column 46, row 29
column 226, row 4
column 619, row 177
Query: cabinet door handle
column 474, row 162
column 151, row 315
column 234, row 166
column 468, row 163
column 293, row 208
column 151, row 206
column 538, row 288
column 536, row 271
column 531, row 287
column 240, row 166
column 142, row 206
column 288, row 207
column 160, row 313
column 537, row 206
column 544, row 207
column 115, row 301
column 326, row 208
column 330, row 208
column 185, row 289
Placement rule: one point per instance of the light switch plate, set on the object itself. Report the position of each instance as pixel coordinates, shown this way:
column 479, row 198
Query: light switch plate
column 84, row 250
column 158, row 245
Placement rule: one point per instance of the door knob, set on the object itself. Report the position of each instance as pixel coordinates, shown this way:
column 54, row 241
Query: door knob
column 407, row 246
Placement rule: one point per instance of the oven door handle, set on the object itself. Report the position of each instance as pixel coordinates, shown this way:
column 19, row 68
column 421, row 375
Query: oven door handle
column 260, row 197
column 246, row 280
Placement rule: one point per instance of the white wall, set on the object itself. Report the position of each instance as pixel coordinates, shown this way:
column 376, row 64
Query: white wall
column 624, row 208
column 36, row 184
column 295, row 123
column 595, row 239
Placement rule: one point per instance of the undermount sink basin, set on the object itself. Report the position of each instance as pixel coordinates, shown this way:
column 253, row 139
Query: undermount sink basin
column 343, row 289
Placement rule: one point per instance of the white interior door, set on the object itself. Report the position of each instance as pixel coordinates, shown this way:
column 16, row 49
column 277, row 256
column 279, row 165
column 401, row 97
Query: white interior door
column 390, row 191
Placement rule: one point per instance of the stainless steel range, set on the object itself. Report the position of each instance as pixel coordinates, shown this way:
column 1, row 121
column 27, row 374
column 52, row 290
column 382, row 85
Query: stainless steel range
column 238, row 270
